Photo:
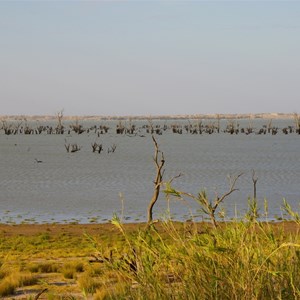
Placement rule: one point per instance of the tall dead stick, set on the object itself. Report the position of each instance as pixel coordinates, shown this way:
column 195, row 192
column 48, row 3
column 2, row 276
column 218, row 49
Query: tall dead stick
column 159, row 162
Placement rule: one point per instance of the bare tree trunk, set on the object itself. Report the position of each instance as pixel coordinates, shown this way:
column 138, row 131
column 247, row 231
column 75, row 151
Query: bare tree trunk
column 159, row 161
column 218, row 123
column 60, row 127
column 297, row 122
column 254, row 179
column 213, row 220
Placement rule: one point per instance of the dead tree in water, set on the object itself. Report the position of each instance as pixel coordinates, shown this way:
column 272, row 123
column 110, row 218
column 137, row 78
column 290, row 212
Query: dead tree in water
column 232, row 127
column 77, row 127
column 97, row 147
column 253, row 209
column 59, row 128
column 218, row 123
column 72, row 147
column 150, row 128
column 270, row 125
column 254, row 180
column 120, row 128
column 159, row 162
column 75, row 148
column 112, row 149
column 8, row 128
column 94, row 147
column 297, row 122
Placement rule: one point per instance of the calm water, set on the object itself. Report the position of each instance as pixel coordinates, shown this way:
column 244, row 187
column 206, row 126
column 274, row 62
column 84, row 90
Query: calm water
column 85, row 186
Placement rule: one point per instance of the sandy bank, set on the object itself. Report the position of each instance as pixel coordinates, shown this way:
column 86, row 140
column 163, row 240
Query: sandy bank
column 153, row 117
column 107, row 228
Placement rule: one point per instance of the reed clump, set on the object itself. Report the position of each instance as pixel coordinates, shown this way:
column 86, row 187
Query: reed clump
column 237, row 260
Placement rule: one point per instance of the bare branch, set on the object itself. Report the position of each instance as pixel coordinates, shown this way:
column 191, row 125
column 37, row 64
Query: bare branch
column 254, row 179
column 159, row 163
column 40, row 293
column 175, row 177
column 231, row 190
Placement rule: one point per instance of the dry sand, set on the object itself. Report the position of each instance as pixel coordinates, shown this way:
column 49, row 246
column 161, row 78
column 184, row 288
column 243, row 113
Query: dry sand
column 153, row 117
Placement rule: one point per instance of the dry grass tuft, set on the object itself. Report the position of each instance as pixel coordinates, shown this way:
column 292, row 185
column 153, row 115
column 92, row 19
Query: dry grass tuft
column 88, row 284
column 44, row 267
column 7, row 286
column 14, row 280
column 70, row 269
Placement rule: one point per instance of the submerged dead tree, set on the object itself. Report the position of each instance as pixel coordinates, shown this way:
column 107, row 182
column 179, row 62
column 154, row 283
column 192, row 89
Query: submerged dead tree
column 72, row 147
column 159, row 162
column 253, row 209
column 59, row 127
column 254, row 180
column 77, row 128
column 97, row 147
column 112, row 149
column 8, row 128
column 297, row 122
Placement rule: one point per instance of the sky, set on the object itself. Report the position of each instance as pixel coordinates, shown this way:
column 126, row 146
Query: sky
column 149, row 58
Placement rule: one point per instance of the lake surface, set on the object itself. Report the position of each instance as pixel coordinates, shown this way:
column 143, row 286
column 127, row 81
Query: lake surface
column 90, row 187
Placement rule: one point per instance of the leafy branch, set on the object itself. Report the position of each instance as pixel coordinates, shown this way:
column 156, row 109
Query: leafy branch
column 209, row 207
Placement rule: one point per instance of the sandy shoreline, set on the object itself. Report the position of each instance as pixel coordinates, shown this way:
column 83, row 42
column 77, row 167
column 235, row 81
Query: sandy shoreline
column 108, row 228
column 153, row 117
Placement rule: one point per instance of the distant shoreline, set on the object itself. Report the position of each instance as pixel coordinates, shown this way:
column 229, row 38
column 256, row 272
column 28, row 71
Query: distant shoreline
column 152, row 117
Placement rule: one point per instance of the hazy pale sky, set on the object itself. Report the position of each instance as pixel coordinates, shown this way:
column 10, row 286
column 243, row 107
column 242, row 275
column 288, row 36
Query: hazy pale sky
column 149, row 58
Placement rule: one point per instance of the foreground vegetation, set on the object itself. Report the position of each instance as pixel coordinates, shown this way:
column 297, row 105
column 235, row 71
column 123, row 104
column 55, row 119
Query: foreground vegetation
column 242, row 259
